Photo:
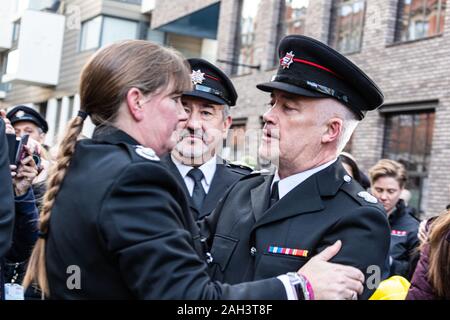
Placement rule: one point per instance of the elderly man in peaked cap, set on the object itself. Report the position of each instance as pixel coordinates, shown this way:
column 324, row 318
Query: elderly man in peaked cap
column 267, row 225
column 195, row 160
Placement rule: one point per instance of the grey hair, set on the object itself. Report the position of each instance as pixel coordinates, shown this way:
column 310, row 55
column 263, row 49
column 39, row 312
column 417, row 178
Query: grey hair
column 226, row 112
column 333, row 108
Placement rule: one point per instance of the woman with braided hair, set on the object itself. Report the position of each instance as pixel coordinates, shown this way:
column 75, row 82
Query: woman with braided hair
column 115, row 224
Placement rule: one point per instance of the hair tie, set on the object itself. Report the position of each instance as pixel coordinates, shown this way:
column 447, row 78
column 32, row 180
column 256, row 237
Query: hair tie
column 82, row 114
column 42, row 235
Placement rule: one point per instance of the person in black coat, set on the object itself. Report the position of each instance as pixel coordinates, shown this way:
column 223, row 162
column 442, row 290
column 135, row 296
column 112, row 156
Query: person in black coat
column 6, row 203
column 6, row 195
column 270, row 223
column 388, row 179
column 115, row 223
column 201, row 139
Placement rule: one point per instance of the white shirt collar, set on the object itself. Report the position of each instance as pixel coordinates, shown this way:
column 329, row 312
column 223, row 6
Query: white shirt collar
column 287, row 184
column 208, row 168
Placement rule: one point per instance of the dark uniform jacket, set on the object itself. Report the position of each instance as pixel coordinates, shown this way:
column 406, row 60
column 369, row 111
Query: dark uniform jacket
column 226, row 174
column 404, row 241
column 251, row 242
column 6, row 201
column 120, row 222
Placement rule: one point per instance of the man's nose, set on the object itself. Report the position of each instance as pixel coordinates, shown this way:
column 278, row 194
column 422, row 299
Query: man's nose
column 194, row 122
column 270, row 115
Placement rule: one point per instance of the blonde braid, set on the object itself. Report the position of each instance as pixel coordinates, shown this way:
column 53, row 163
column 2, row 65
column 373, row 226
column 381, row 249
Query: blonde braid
column 36, row 270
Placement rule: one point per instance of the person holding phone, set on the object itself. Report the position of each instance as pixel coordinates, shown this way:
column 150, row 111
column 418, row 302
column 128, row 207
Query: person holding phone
column 25, row 216
column 6, row 195
column 115, row 223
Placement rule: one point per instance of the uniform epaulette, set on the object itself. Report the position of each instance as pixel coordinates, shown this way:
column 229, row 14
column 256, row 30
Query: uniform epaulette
column 361, row 196
column 139, row 152
column 239, row 168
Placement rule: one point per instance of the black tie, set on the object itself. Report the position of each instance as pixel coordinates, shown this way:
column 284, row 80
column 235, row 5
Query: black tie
column 274, row 195
column 198, row 195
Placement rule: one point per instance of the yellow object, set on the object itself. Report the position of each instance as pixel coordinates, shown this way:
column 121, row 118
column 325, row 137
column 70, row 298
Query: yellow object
column 394, row 288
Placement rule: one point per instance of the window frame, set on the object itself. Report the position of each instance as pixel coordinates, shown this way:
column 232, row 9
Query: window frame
column 398, row 26
column 102, row 24
column 413, row 109
column 337, row 31
column 236, row 70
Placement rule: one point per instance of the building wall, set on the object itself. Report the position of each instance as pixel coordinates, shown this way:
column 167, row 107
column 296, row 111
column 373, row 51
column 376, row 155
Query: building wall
column 406, row 72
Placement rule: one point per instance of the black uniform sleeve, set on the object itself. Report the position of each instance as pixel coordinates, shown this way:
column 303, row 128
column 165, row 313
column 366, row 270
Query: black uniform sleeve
column 365, row 237
column 6, row 195
column 144, row 230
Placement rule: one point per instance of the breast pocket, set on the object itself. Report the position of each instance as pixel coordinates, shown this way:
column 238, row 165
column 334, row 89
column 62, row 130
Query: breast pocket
column 273, row 264
column 222, row 250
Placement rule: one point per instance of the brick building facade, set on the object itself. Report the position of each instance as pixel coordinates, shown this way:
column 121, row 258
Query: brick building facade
column 403, row 45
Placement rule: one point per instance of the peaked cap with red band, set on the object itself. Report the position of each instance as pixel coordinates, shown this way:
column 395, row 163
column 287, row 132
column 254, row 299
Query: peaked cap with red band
column 210, row 83
column 310, row 68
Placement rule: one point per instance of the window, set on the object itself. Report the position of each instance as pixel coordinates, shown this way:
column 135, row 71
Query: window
column 246, row 41
column 236, row 142
column 101, row 31
column 138, row 2
column 408, row 139
column 115, row 29
column 90, row 33
column 350, row 25
column 419, row 19
column 16, row 32
column 294, row 16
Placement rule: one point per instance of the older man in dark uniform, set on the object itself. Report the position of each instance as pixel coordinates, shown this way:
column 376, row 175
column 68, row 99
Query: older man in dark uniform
column 195, row 160
column 269, row 224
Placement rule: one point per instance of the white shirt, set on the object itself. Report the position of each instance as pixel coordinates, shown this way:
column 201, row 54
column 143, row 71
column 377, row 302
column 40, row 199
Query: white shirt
column 284, row 186
column 208, row 169
column 287, row 184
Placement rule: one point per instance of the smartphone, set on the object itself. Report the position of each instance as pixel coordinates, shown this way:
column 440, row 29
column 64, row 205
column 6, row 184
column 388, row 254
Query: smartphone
column 16, row 148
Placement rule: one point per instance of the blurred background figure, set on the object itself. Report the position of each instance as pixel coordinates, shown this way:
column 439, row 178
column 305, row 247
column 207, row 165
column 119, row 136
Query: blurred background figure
column 26, row 120
column 388, row 179
column 24, row 216
column 6, row 202
column 350, row 165
column 431, row 278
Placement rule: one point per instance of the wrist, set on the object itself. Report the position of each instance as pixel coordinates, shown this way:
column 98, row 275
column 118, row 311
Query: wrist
column 301, row 286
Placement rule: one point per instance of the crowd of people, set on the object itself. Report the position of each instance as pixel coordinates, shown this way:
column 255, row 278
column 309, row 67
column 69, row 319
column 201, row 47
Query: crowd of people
column 148, row 209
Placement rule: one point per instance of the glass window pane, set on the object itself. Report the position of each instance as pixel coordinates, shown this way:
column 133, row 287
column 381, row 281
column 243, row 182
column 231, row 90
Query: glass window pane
column 420, row 18
column 408, row 139
column 350, row 23
column 247, row 34
column 118, row 29
column 90, row 33
column 294, row 16
column 156, row 36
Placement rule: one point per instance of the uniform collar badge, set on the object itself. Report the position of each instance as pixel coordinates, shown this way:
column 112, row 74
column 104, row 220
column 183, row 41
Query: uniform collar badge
column 147, row 153
column 367, row 196
column 197, row 77
column 398, row 233
column 287, row 60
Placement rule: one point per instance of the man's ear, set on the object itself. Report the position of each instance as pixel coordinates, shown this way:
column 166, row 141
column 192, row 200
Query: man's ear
column 134, row 100
column 333, row 130
column 226, row 126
